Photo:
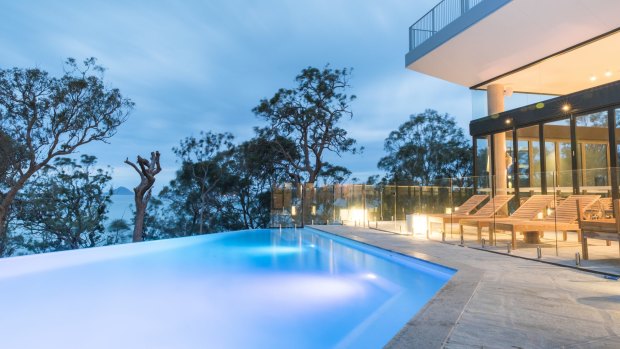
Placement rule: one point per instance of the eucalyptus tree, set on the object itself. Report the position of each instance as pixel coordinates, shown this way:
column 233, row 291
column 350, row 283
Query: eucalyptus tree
column 426, row 147
column 257, row 167
column 65, row 206
column 195, row 201
column 48, row 117
column 309, row 116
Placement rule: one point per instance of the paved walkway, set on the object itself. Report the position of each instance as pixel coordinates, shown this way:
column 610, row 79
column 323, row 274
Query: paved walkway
column 497, row 301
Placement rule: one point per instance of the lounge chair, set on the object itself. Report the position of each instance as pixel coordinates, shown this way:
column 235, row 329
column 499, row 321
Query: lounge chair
column 607, row 229
column 469, row 206
column 527, row 211
column 488, row 210
column 563, row 219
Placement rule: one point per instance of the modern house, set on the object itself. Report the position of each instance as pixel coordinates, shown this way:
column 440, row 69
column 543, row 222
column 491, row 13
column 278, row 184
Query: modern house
column 549, row 71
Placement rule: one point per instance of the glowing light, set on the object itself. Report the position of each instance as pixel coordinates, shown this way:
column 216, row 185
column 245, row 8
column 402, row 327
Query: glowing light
column 593, row 78
column 420, row 224
column 508, row 121
column 448, row 210
column 313, row 210
column 566, row 107
column 293, row 210
column 539, row 215
column 354, row 215
column 312, row 245
column 608, row 73
column 370, row 276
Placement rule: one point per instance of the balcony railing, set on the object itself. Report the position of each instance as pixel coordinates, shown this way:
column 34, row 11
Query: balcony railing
column 436, row 19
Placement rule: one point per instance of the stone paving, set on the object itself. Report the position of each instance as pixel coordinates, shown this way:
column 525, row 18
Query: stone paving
column 497, row 301
column 603, row 258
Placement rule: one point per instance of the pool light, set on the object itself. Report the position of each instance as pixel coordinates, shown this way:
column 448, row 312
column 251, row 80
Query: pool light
column 370, row 276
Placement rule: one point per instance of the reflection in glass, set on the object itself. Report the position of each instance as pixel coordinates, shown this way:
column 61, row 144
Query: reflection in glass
column 592, row 153
column 529, row 160
column 558, row 155
column 483, row 163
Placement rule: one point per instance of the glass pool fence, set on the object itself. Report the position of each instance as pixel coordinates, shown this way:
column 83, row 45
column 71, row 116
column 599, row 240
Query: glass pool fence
column 567, row 217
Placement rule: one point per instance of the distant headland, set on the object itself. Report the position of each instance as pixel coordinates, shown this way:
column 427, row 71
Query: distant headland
column 122, row 191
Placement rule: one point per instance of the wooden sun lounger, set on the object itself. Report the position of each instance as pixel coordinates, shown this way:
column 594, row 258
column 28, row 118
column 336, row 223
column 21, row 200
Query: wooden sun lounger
column 602, row 209
column 488, row 210
column 466, row 208
column 527, row 211
column 563, row 219
column 607, row 229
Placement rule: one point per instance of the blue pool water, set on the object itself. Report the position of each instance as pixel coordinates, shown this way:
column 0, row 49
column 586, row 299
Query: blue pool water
column 249, row 289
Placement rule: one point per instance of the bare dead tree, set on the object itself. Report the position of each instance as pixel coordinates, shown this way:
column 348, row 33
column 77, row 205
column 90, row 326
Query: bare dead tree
column 142, row 193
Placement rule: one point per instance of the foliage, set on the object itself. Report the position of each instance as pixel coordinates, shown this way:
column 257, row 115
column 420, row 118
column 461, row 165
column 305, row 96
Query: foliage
column 257, row 167
column 116, row 227
column 308, row 116
column 427, row 147
column 219, row 187
column 196, row 200
column 65, row 207
column 47, row 117
column 10, row 156
column 333, row 174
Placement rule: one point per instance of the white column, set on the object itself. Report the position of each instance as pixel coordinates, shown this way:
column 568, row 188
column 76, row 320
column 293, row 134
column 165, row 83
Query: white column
column 495, row 104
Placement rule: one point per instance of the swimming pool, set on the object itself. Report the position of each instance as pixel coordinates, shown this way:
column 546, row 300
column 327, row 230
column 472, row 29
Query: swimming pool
column 248, row 289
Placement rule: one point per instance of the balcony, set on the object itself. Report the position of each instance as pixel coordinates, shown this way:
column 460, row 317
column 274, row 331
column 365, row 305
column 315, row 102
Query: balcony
column 437, row 18
column 529, row 46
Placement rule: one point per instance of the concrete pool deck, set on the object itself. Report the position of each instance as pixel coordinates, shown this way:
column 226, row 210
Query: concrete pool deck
column 497, row 301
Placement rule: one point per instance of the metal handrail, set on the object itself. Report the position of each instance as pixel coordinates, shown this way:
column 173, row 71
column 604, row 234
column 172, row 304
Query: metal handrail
column 437, row 18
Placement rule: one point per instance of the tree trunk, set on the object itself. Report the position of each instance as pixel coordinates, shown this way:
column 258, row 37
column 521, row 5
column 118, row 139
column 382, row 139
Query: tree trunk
column 138, row 229
column 3, row 232
column 202, row 219
column 5, row 205
column 147, row 171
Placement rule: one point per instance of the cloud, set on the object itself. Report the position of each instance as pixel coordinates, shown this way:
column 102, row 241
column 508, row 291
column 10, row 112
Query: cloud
column 203, row 65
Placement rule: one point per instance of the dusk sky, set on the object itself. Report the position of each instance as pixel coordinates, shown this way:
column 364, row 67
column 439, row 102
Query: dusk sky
column 203, row 65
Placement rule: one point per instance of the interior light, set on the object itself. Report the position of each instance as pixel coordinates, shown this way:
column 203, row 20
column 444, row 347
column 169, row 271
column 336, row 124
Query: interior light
column 566, row 107
column 508, row 121
column 608, row 73
column 592, row 78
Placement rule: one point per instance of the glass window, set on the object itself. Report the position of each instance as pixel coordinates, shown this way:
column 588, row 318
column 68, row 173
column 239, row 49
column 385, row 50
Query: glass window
column 558, row 156
column 617, row 112
column 592, row 153
column 483, row 162
column 529, row 160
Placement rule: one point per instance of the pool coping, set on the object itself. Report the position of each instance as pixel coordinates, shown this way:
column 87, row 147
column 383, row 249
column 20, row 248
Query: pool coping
column 432, row 325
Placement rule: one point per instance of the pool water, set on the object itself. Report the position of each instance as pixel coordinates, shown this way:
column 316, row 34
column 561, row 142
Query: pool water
column 249, row 289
